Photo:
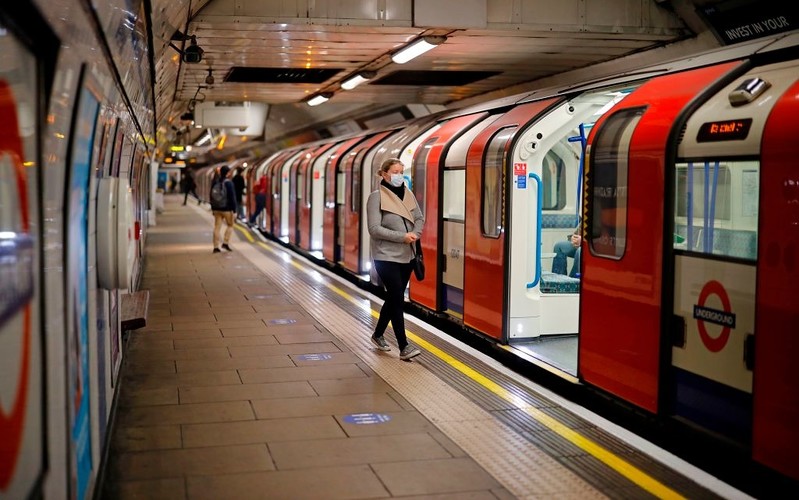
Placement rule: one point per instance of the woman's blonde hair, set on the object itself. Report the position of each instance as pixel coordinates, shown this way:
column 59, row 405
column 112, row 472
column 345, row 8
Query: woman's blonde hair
column 387, row 164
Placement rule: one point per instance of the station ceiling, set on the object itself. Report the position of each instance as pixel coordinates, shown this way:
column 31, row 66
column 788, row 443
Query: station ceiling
column 283, row 52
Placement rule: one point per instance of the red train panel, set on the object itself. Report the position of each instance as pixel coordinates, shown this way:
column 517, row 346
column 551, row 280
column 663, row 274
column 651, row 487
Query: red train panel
column 352, row 214
column 272, row 173
column 776, row 381
column 298, row 170
column 621, row 353
column 331, row 230
column 428, row 292
column 304, row 230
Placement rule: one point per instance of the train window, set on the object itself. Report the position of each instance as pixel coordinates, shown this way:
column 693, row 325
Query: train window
column 609, row 165
column 419, row 172
column 493, row 182
column 706, row 178
column 716, row 207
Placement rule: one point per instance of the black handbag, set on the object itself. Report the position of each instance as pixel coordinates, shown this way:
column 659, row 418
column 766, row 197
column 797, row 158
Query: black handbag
column 418, row 260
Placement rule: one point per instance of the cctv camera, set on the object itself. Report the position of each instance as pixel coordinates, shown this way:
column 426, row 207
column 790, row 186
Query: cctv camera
column 193, row 53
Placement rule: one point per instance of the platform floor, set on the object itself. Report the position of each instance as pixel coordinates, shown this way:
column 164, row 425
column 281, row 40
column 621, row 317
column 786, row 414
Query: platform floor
column 255, row 378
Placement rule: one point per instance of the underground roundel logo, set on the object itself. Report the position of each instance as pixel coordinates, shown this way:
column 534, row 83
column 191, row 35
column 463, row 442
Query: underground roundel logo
column 725, row 317
column 14, row 302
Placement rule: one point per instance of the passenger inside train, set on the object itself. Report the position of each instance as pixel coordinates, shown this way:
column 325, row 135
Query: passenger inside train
column 564, row 250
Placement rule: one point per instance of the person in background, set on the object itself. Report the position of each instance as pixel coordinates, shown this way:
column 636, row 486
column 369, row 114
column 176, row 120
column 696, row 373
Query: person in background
column 395, row 221
column 223, row 209
column 189, row 186
column 260, row 199
column 568, row 248
column 239, row 184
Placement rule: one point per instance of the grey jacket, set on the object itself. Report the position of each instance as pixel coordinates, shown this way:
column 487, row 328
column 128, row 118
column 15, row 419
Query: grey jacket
column 388, row 219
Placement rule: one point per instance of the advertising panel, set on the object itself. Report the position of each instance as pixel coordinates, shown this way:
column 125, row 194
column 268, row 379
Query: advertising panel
column 77, row 326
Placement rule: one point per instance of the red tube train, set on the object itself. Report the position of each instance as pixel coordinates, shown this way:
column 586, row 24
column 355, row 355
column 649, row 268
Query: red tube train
column 680, row 179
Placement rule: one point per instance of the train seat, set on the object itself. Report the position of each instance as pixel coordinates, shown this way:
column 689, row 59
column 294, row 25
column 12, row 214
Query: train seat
column 735, row 243
column 559, row 283
column 556, row 221
column 730, row 242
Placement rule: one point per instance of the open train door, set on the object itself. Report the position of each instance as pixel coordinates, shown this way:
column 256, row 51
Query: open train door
column 621, row 313
column 485, row 272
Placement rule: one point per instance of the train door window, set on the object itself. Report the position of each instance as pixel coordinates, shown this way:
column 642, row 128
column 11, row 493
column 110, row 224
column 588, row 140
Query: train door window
column 454, row 208
column 716, row 207
column 419, row 172
column 493, row 182
column 307, row 185
column 553, row 176
column 300, row 183
column 356, row 182
column 341, row 188
column 610, row 163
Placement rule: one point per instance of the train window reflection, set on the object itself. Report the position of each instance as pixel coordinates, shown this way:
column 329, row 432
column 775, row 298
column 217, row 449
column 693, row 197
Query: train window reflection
column 493, row 182
column 610, row 163
column 716, row 207
column 419, row 172
column 454, row 207
column 553, row 176
column 356, row 186
column 710, row 182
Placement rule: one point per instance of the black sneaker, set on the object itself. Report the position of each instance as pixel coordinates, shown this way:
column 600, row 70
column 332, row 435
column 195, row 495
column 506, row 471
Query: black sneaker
column 216, row 250
column 227, row 247
column 409, row 352
column 381, row 343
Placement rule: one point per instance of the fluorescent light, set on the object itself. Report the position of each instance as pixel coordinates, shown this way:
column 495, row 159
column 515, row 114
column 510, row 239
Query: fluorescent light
column 417, row 48
column 357, row 79
column 319, row 99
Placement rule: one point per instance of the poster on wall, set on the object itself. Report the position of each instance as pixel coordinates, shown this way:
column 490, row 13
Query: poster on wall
column 77, row 325
column 21, row 366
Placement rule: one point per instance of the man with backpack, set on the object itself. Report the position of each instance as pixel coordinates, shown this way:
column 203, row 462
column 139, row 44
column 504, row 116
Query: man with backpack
column 223, row 206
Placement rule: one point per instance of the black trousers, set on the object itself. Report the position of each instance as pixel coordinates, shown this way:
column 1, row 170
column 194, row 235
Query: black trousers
column 260, row 204
column 186, row 195
column 395, row 277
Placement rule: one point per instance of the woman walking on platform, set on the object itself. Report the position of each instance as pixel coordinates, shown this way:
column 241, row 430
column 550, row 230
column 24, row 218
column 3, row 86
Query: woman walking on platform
column 395, row 222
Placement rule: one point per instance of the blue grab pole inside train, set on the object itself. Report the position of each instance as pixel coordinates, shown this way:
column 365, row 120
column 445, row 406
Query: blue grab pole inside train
column 539, row 195
column 583, row 142
column 689, row 201
column 712, row 203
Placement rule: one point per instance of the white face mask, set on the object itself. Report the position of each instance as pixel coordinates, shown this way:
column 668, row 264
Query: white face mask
column 397, row 180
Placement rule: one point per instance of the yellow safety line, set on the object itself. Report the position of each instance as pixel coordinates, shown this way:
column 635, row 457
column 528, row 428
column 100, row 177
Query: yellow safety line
column 245, row 233
column 626, row 469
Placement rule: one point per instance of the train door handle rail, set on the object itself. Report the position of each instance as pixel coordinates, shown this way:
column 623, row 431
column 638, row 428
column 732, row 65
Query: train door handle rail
column 538, row 216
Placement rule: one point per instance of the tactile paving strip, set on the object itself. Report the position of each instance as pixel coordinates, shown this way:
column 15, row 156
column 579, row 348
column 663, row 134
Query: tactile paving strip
column 515, row 462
